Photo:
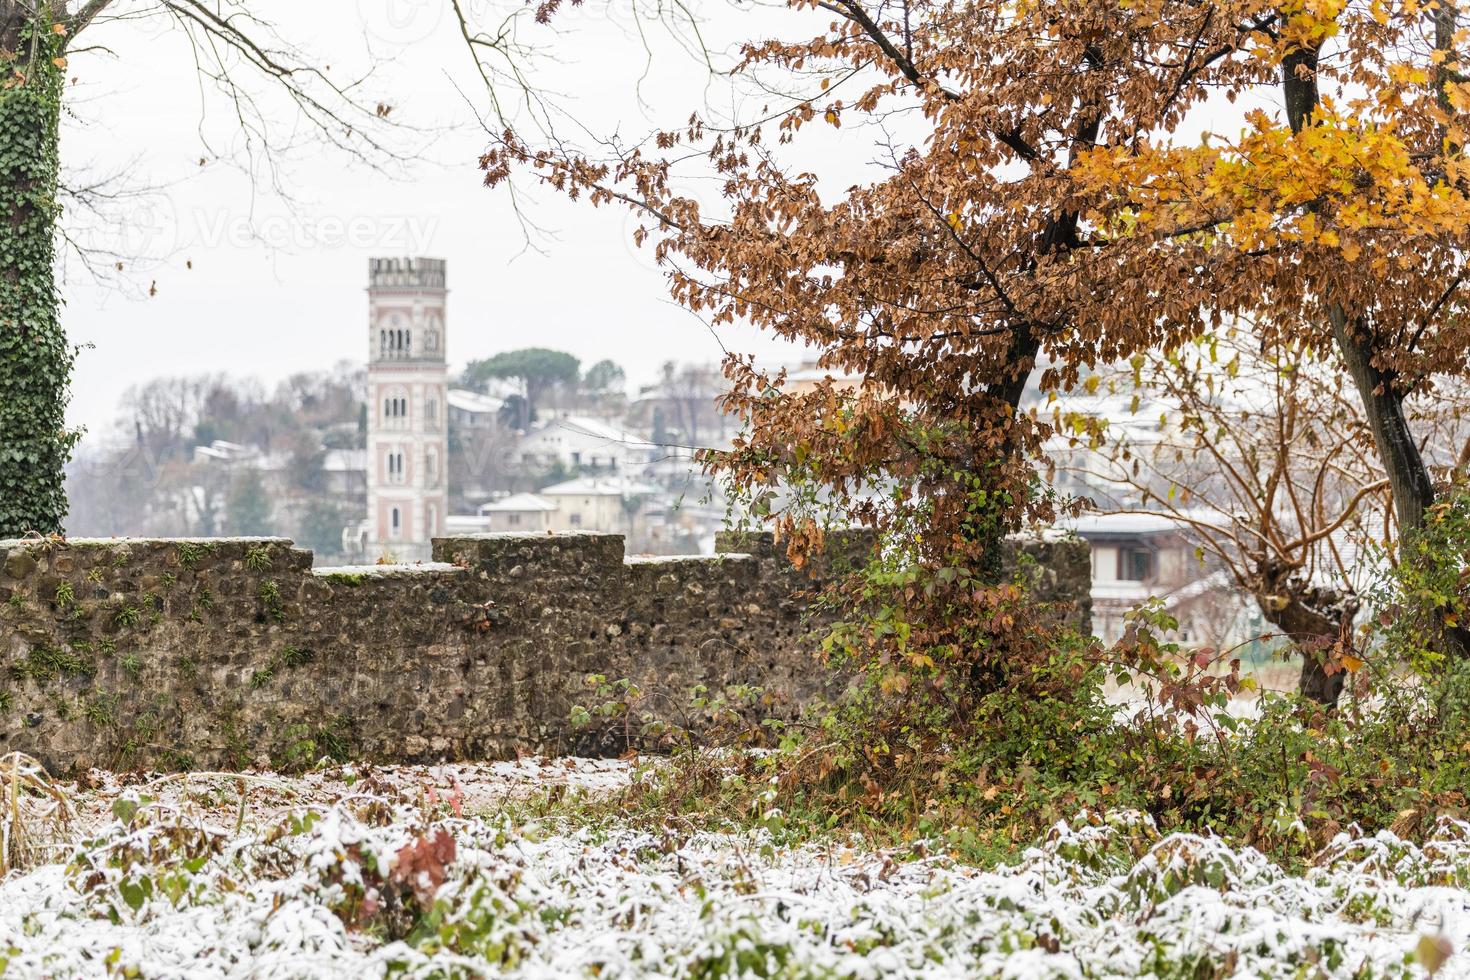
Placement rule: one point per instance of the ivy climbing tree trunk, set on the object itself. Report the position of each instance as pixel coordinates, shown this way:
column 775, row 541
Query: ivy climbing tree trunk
column 35, row 358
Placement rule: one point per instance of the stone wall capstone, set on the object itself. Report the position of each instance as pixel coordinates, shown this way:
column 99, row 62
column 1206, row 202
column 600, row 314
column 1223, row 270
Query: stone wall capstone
column 227, row 652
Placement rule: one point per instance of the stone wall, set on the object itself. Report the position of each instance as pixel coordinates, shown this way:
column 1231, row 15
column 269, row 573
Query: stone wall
column 225, row 653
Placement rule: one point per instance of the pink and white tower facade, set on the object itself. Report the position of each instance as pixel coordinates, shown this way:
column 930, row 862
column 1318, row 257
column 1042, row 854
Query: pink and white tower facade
column 408, row 396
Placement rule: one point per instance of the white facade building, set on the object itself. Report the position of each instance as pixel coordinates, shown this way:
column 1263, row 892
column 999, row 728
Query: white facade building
column 579, row 442
column 408, row 388
column 523, row 512
column 1142, row 556
column 473, row 410
column 609, row 503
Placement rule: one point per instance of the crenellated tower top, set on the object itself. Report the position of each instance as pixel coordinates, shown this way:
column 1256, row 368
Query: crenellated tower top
column 406, row 273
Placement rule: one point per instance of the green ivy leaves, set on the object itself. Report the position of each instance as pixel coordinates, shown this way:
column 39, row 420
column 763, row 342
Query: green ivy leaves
column 35, row 359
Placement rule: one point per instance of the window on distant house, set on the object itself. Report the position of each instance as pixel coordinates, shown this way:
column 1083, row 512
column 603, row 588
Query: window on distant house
column 513, row 519
column 576, row 520
column 1135, row 564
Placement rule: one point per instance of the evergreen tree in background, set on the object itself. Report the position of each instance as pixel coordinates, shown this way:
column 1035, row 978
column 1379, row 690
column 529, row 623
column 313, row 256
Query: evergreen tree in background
column 249, row 507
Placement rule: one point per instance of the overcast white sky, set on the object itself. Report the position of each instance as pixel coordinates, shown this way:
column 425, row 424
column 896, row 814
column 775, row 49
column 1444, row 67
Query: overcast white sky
column 297, row 302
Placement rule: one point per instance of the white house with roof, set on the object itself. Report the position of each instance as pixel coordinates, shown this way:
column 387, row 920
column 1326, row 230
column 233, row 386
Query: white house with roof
column 472, row 409
column 220, row 451
column 1142, row 556
column 580, row 442
column 523, row 512
column 345, row 471
column 600, row 503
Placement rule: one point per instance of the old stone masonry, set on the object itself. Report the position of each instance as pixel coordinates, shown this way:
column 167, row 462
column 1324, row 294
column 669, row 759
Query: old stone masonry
column 228, row 653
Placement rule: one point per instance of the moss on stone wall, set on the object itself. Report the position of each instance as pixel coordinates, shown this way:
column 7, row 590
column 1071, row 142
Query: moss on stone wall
column 233, row 652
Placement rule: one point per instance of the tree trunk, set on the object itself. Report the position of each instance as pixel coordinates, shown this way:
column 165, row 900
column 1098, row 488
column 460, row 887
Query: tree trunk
column 1008, row 390
column 1413, row 490
column 1316, row 619
column 35, row 359
column 1408, row 476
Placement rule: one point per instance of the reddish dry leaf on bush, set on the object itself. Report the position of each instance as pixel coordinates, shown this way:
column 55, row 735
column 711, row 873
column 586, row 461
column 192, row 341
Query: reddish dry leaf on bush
column 422, row 864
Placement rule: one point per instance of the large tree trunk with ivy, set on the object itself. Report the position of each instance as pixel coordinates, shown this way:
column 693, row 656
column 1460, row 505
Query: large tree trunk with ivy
column 35, row 358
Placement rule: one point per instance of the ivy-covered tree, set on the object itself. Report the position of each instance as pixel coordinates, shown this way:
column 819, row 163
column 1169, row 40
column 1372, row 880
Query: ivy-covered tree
column 35, row 358
column 242, row 58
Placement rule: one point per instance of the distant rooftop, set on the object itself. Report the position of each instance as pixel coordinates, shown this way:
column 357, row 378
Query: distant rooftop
column 593, row 428
column 473, row 401
column 1106, row 525
column 345, row 460
column 601, row 486
column 520, row 503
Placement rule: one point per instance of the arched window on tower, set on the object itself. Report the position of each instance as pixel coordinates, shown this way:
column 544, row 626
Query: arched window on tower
column 395, row 409
column 408, row 343
column 395, row 523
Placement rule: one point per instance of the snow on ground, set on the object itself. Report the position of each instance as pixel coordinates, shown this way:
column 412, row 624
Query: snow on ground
column 483, row 787
column 325, row 883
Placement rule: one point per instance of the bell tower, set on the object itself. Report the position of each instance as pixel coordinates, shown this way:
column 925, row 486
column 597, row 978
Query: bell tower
column 408, row 393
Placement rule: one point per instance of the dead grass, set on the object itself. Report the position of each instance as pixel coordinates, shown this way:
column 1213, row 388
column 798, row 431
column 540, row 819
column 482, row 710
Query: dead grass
column 36, row 814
